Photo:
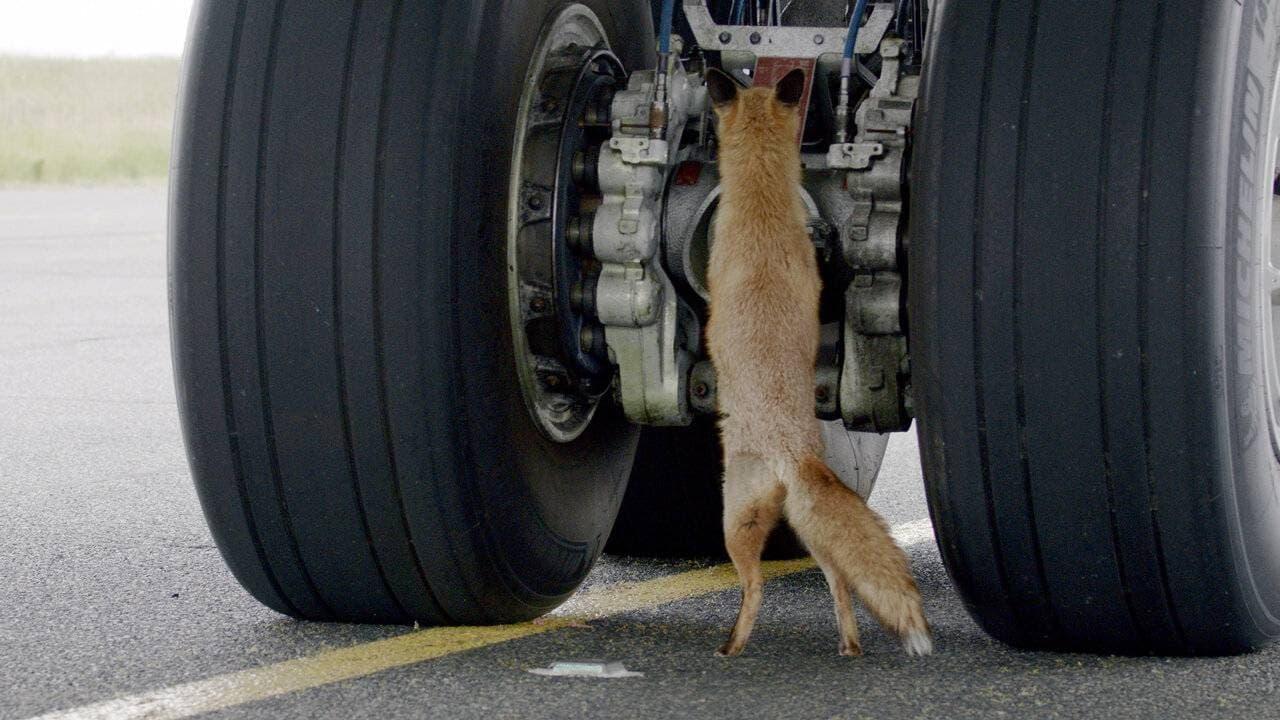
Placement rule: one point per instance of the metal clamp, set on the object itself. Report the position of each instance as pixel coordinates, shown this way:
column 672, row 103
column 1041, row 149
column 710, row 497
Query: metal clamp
column 853, row 156
column 875, row 389
column 784, row 41
column 650, row 337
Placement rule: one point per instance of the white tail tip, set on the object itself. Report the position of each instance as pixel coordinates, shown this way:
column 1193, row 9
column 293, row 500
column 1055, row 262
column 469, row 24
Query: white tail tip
column 918, row 643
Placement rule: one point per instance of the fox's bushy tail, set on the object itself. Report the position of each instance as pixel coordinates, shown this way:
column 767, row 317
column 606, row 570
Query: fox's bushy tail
column 849, row 538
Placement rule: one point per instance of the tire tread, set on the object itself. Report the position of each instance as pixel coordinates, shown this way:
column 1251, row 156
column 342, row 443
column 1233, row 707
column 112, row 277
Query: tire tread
column 1144, row 317
column 1078, row 454
column 1048, row 620
column 260, row 316
column 356, row 435
column 1102, row 243
column 979, row 205
column 233, row 435
column 378, row 326
column 344, row 409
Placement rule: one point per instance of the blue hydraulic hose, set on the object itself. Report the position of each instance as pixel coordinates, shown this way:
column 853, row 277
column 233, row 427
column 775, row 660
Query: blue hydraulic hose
column 738, row 12
column 664, row 26
column 658, row 110
column 846, row 70
column 855, row 23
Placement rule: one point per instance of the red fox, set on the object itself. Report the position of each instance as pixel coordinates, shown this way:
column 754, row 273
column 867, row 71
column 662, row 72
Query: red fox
column 763, row 339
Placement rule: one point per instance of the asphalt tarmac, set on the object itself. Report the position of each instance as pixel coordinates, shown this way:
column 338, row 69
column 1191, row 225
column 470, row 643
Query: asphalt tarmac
column 114, row 602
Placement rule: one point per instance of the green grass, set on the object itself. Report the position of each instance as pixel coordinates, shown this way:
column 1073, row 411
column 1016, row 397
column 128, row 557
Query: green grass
column 85, row 121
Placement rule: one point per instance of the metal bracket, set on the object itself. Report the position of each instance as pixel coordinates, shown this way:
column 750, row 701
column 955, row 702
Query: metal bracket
column 641, row 150
column 853, row 156
column 827, row 369
column 653, row 366
column 784, row 41
column 648, row 336
column 874, row 388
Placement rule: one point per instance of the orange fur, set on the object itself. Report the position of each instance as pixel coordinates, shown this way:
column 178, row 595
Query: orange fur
column 763, row 339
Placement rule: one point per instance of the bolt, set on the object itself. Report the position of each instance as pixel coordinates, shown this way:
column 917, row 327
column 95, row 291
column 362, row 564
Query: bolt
column 535, row 202
column 819, row 39
column 701, row 390
column 877, row 383
column 585, row 168
column 550, row 105
column 591, row 340
column 755, row 38
column 726, row 38
column 552, row 381
column 821, row 393
column 578, row 232
column 538, row 305
column 582, row 296
column 599, row 110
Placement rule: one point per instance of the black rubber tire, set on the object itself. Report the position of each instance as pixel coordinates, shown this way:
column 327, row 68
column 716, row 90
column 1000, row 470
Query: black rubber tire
column 341, row 342
column 1094, row 431
column 674, row 508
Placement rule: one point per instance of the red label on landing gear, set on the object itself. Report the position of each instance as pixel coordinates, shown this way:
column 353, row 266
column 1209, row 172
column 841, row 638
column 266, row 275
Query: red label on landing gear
column 688, row 173
column 769, row 70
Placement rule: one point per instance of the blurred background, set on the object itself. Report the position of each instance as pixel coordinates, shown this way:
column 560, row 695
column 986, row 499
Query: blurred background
column 87, row 89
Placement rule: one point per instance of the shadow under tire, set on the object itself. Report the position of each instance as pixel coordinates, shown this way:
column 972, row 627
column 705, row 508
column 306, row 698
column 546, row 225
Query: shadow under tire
column 674, row 505
column 1088, row 304
column 341, row 336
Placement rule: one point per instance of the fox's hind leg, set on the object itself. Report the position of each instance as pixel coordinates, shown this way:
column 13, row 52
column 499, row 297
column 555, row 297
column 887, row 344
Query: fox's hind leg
column 850, row 538
column 752, row 505
column 840, row 593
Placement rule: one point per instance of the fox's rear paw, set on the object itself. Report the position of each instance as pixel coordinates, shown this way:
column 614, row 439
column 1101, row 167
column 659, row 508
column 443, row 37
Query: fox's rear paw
column 729, row 649
column 918, row 642
column 848, row 649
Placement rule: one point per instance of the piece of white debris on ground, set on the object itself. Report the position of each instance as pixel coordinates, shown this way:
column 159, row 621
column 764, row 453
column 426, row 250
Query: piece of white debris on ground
column 586, row 668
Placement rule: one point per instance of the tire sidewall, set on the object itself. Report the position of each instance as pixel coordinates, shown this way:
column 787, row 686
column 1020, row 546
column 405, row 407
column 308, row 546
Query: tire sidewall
column 531, row 493
column 1253, row 513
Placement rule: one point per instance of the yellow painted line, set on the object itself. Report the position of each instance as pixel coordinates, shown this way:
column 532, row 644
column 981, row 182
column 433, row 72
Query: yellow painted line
column 332, row 666
column 627, row 597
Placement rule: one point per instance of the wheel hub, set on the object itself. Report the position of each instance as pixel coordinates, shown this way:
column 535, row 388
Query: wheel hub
column 1269, row 229
column 563, row 118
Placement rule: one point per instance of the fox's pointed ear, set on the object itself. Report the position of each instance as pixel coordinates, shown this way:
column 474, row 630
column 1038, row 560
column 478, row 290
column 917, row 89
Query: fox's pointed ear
column 790, row 89
column 722, row 89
